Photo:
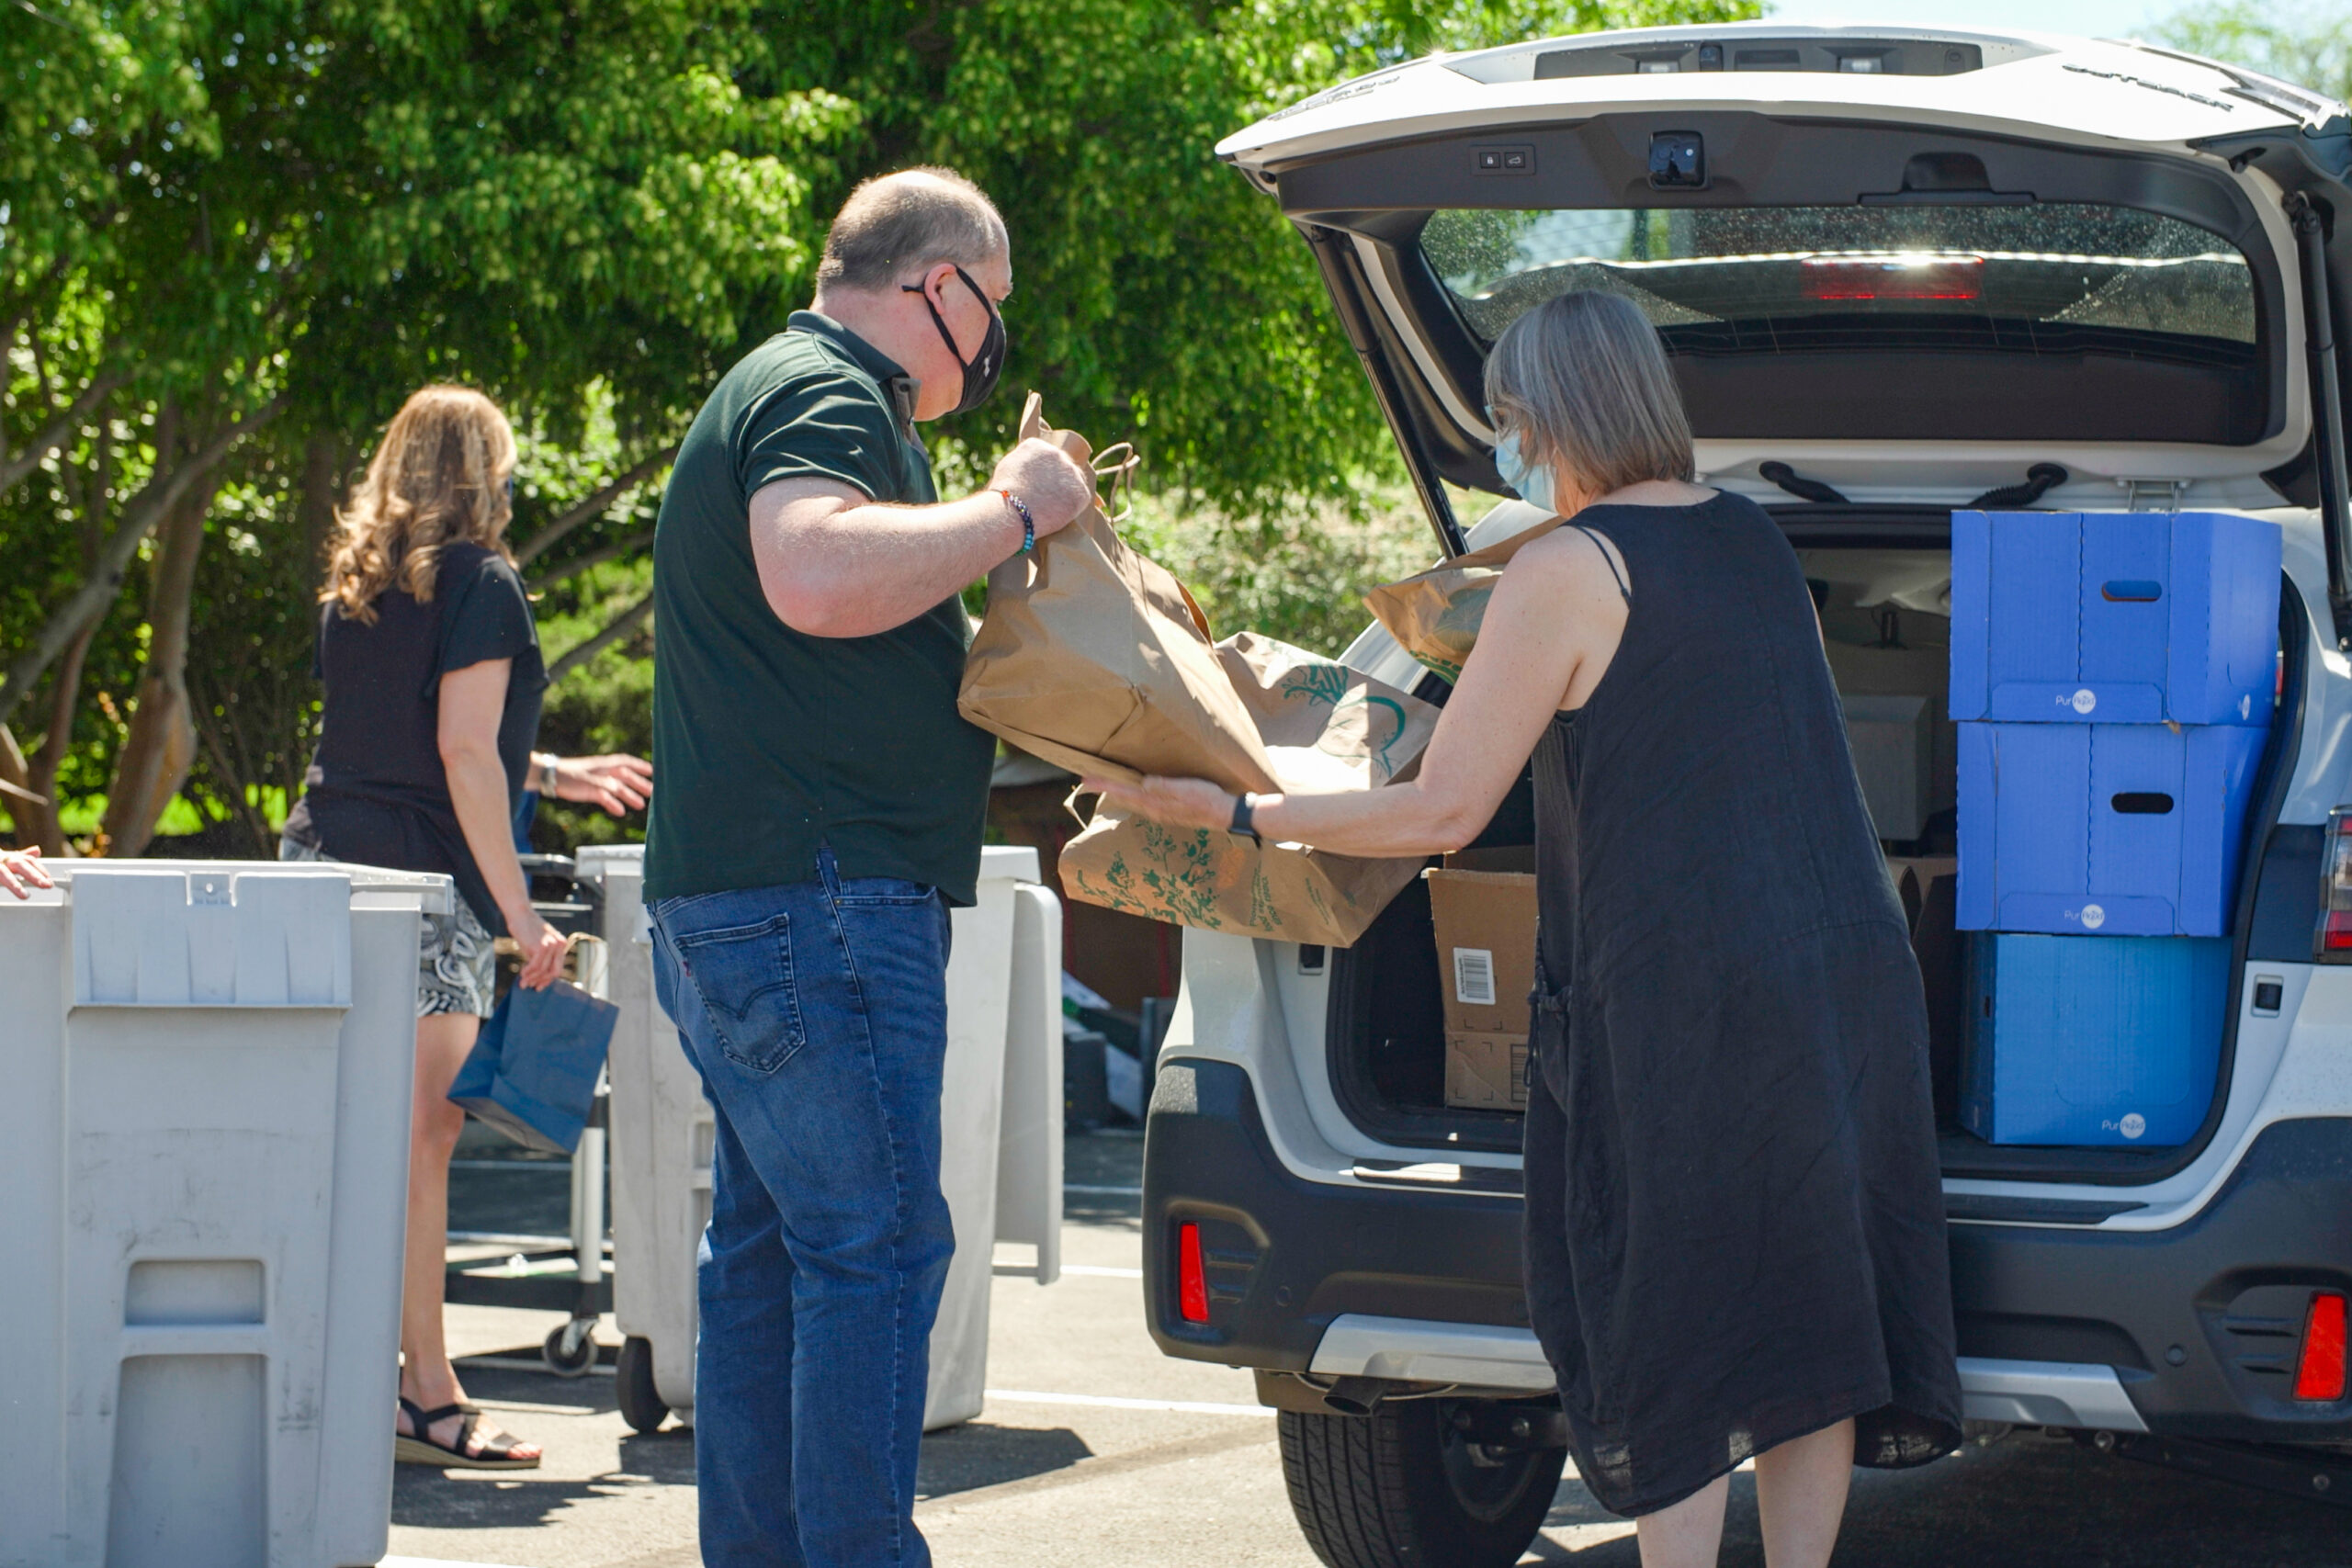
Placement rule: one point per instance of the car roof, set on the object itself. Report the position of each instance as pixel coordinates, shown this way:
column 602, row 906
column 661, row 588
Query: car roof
column 2045, row 86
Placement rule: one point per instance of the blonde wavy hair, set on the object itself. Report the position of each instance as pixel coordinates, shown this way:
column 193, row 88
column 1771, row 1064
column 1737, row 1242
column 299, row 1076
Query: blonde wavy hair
column 438, row 478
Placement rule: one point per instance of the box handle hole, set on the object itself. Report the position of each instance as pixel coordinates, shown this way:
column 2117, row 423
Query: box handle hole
column 2143, row 803
column 2125, row 590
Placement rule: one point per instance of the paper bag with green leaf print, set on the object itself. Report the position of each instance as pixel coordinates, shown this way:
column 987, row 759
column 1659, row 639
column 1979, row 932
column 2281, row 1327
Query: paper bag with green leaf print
column 1325, row 727
column 1435, row 615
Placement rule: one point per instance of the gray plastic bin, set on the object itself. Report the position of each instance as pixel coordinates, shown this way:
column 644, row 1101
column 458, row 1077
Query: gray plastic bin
column 1000, row 1123
column 204, row 1149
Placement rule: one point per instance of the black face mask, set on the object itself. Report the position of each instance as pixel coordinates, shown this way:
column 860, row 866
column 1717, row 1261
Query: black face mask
column 981, row 370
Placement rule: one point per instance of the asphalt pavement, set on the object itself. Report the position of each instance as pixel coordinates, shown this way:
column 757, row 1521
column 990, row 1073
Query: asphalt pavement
column 1096, row 1450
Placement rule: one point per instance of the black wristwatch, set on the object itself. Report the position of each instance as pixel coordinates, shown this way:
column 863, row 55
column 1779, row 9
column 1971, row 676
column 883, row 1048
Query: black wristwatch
column 1242, row 804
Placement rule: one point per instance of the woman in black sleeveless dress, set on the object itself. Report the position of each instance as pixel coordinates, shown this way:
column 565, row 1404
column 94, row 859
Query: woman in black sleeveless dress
column 1735, row 1233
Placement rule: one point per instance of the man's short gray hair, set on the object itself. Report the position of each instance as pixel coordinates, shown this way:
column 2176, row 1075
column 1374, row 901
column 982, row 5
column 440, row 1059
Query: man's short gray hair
column 894, row 223
column 1584, row 379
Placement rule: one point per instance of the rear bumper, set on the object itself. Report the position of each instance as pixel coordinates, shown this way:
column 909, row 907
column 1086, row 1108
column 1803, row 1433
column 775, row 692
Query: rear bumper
column 1287, row 1257
column 2200, row 1323
column 2188, row 1332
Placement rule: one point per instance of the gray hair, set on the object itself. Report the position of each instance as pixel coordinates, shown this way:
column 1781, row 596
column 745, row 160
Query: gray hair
column 914, row 218
column 1584, row 379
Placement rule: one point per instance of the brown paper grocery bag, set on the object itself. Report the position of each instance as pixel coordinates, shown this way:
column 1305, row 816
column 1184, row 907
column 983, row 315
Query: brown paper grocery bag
column 1326, row 728
column 1096, row 660
column 1221, row 882
column 1434, row 615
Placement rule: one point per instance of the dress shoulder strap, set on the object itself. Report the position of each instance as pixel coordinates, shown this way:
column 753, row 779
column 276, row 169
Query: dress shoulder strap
column 1611, row 561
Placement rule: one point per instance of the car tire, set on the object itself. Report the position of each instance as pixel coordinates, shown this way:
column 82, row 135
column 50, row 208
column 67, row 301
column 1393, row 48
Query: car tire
column 1400, row 1488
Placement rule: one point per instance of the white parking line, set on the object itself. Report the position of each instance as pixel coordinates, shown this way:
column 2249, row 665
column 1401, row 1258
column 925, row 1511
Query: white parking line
column 1112, row 1402
column 1086, row 1191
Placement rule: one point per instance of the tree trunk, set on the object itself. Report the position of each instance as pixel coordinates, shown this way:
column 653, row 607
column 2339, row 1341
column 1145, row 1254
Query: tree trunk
column 322, row 493
column 17, row 790
column 164, row 490
column 39, row 824
column 161, row 748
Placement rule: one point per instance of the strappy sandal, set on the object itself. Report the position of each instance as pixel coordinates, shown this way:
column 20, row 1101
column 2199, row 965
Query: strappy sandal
column 418, row 1447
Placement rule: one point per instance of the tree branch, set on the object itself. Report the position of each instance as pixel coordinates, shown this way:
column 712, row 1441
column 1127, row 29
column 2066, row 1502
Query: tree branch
column 622, row 625
column 595, row 558
column 13, row 469
column 158, row 496
column 593, row 506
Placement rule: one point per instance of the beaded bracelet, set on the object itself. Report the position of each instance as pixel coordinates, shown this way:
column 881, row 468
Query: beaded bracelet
column 1028, row 523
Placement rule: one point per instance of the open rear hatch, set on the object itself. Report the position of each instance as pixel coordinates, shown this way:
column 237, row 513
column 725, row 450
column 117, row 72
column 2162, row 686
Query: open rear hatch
column 1969, row 272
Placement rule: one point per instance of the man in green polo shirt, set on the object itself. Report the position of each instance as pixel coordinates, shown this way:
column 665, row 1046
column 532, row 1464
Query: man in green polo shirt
column 820, row 808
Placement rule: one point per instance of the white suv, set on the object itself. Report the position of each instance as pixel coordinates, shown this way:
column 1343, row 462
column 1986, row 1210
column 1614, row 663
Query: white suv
column 1899, row 273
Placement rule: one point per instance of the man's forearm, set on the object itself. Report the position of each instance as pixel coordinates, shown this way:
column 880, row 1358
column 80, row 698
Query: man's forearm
column 866, row 569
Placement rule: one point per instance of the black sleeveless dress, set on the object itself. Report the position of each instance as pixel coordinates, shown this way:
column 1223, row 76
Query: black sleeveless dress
column 1734, row 1219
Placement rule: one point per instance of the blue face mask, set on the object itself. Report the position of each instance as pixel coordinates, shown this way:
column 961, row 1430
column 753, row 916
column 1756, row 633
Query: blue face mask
column 1533, row 481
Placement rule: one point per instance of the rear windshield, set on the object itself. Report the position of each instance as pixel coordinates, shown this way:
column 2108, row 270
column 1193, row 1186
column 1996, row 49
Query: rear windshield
column 2036, row 278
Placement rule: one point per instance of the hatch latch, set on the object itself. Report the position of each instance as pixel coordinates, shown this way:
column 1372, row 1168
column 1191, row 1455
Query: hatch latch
column 2152, row 495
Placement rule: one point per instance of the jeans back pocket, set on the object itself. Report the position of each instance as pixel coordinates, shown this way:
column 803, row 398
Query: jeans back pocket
column 743, row 975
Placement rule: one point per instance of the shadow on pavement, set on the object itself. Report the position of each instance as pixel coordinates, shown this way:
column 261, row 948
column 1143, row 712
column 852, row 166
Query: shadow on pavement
column 979, row 1454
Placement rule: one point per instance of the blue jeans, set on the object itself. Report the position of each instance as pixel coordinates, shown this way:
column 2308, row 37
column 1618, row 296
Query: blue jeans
column 818, row 1015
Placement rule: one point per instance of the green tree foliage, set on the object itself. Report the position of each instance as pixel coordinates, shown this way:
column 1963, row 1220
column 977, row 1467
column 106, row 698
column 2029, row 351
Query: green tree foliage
column 2310, row 45
column 233, row 236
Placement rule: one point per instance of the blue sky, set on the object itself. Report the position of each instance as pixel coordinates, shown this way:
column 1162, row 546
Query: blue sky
column 2094, row 19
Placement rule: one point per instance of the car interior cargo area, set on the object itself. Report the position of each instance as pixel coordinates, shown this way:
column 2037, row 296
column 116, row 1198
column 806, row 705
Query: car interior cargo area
column 2067, row 729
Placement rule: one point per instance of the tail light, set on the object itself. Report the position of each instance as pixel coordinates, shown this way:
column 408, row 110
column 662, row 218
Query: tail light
column 1901, row 277
column 1193, row 1280
column 2319, row 1371
column 2332, row 943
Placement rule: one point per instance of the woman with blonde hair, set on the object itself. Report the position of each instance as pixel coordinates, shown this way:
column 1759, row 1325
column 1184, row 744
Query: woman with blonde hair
column 1735, row 1233
column 433, row 679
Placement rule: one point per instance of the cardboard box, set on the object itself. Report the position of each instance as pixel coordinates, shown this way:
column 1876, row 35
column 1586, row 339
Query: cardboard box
column 2080, row 1041
column 2106, row 829
column 1485, row 958
column 1485, row 947
column 2115, row 617
column 1486, row 1072
column 1895, row 757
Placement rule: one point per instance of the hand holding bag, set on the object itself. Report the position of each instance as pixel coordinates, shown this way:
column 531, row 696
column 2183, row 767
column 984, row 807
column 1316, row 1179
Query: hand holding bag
column 1097, row 660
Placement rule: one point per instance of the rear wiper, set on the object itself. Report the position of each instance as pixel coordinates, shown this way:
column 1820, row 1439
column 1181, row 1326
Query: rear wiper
column 2039, row 479
column 1796, row 484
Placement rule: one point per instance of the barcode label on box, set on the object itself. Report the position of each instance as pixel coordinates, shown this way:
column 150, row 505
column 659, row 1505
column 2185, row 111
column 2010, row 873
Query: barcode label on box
column 1474, row 977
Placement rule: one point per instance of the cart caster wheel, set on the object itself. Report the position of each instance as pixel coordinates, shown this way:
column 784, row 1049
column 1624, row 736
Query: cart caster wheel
column 570, row 1351
column 641, row 1406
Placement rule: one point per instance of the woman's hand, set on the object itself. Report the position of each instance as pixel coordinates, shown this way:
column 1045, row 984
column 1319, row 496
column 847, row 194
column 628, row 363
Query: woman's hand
column 543, row 949
column 1172, row 803
column 18, row 867
column 617, row 781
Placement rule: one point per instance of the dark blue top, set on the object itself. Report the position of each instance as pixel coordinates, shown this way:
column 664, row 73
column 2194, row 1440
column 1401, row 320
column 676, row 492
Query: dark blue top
column 377, row 793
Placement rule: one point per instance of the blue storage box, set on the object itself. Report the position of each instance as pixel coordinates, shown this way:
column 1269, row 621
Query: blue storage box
column 2116, row 617
column 2121, row 829
column 2076, row 1041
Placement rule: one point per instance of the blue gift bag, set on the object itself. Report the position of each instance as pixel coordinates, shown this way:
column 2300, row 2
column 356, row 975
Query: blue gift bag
column 533, row 1071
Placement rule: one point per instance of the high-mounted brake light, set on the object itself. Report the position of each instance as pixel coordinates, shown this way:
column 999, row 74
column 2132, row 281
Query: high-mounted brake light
column 1193, row 1280
column 1902, row 278
column 2319, row 1371
column 2333, row 942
